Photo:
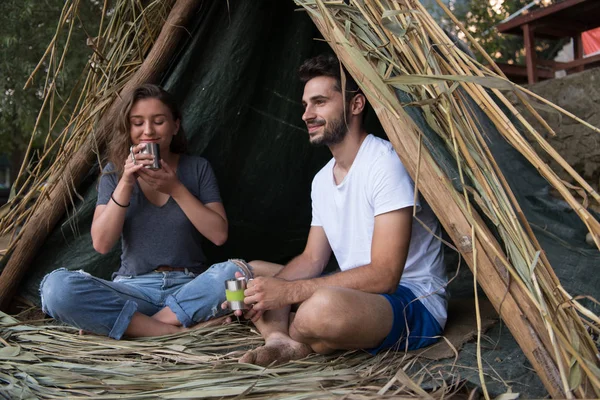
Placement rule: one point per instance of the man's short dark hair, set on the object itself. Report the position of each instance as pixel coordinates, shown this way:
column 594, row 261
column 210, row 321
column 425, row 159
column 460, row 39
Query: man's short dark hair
column 328, row 65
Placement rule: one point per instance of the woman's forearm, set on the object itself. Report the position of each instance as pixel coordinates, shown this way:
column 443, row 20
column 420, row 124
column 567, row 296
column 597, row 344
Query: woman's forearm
column 211, row 223
column 108, row 219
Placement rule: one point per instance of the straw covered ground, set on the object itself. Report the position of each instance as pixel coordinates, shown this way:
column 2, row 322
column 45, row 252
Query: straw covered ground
column 41, row 360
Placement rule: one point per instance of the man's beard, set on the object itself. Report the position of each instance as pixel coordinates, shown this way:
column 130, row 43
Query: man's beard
column 335, row 131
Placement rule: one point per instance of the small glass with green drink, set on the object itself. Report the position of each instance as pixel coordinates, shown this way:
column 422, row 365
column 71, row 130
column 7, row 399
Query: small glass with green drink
column 234, row 293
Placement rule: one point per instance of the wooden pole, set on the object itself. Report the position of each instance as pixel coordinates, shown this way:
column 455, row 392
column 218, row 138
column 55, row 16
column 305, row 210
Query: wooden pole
column 518, row 311
column 578, row 52
column 54, row 204
column 530, row 56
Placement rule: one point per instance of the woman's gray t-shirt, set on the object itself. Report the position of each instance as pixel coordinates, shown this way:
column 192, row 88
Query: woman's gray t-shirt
column 154, row 236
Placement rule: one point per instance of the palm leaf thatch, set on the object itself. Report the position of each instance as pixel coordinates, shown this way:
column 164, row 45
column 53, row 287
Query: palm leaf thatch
column 128, row 52
column 386, row 45
column 40, row 360
column 119, row 49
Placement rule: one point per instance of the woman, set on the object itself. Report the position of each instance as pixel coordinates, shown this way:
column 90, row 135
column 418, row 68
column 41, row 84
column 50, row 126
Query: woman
column 161, row 215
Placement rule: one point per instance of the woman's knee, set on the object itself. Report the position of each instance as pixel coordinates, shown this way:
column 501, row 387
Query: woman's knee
column 58, row 290
column 226, row 270
column 222, row 271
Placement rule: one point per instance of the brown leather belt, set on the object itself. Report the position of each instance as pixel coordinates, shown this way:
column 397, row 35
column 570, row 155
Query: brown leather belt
column 167, row 268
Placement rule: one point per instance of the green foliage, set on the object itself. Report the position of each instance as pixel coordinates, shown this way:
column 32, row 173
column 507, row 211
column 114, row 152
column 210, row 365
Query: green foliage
column 481, row 17
column 481, row 20
column 26, row 29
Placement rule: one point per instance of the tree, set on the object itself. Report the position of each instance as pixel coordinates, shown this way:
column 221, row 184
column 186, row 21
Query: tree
column 26, row 29
column 480, row 18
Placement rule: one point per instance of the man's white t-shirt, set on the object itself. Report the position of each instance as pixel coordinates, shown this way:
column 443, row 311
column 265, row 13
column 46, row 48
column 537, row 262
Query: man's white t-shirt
column 378, row 183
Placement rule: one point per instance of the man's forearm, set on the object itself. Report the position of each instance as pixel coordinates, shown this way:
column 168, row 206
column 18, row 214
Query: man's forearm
column 366, row 278
column 301, row 267
column 300, row 274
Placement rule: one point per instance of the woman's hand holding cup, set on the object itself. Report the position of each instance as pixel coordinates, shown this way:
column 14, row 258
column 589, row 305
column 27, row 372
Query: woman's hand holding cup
column 136, row 160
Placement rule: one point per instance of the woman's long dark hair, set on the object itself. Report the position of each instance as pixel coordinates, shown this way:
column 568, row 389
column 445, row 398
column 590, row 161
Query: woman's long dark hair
column 118, row 148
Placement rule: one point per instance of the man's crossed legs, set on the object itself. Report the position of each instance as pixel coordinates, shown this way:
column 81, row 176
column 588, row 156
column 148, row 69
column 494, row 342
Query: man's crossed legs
column 336, row 318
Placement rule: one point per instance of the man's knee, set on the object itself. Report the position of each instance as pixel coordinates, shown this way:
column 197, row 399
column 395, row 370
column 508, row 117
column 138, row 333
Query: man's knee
column 257, row 263
column 264, row 268
column 320, row 317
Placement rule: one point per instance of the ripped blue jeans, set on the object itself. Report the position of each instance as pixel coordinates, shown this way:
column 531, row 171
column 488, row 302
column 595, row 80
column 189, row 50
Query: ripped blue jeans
column 106, row 307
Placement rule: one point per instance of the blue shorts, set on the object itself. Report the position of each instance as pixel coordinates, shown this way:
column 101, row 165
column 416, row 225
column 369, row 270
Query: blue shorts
column 423, row 328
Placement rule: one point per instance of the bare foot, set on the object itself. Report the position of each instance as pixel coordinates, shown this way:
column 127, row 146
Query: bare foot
column 278, row 349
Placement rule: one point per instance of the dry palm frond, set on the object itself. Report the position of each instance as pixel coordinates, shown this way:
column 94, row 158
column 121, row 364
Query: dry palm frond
column 117, row 52
column 397, row 44
column 46, row 361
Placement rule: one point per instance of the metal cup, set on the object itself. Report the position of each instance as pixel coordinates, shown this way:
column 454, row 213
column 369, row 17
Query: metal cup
column 154, row 149
column 234, row 293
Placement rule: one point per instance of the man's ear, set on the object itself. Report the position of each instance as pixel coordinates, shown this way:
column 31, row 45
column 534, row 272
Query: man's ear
column 358, row 104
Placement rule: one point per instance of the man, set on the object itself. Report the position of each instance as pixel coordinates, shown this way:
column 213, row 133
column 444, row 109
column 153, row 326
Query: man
column 392, row 279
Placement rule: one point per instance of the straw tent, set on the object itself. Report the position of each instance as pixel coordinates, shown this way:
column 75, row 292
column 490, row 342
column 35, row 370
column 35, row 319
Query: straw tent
column 233, row 66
